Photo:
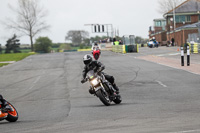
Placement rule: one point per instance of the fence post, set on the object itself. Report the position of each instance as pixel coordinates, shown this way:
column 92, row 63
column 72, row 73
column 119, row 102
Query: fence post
column 188, row 55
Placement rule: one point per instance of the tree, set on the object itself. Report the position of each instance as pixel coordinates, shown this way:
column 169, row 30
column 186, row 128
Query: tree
column 43, row 44
column 77, row 36
column 0, row 49
column 30, row 20
column 140, row 40
column 12, row 44
column 167, row 5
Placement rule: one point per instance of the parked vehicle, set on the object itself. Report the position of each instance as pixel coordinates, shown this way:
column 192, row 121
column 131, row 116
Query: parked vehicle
column 102, row 88
column 8, row 113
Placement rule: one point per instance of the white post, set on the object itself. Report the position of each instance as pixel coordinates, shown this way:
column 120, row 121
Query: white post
column 188, row 55
column 174, row 16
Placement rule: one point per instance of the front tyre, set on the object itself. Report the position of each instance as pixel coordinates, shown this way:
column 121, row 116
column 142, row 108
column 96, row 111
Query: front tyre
column 12, row 115
column 103, row 97
column 96, row 56
column 118, row 99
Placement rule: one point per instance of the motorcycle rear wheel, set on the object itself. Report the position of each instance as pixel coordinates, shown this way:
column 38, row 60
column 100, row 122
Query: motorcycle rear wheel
column 12, row 115
column 103, row 97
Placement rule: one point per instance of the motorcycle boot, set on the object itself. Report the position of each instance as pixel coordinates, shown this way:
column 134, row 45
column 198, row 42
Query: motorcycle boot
column 116, row 88
column 3, row 115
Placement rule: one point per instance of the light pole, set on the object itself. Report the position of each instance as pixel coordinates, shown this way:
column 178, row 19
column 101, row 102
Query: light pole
column 171, row 28
column 174, row 17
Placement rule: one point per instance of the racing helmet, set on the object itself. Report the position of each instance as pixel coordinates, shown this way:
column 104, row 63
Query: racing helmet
column 87, row 59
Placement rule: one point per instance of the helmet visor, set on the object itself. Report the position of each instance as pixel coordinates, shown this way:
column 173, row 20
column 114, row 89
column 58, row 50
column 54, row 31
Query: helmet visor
column 86, row 62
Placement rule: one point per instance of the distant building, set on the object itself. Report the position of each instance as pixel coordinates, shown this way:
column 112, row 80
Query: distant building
column 159, row 30
column 187, row 16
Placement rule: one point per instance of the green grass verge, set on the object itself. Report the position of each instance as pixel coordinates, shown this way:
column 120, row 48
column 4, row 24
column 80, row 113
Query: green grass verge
column 21, row 50
column 14, row 57
column 3, row 64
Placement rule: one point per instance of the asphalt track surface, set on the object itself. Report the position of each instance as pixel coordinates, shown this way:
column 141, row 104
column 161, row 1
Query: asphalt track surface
column 49, row 97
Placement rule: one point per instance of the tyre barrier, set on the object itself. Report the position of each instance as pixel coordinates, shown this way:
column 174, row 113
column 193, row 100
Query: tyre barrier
column 84, row 50
column 69, row 50
column 125, row 48
column 194, row 48
column 119, row 49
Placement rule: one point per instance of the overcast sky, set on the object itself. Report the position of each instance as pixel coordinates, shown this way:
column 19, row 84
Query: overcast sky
column 131, row 17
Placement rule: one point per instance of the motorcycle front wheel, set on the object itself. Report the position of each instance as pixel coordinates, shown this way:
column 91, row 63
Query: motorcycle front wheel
column 103, row 97
column 12, row 115
column 96, row 56
column 118, row 100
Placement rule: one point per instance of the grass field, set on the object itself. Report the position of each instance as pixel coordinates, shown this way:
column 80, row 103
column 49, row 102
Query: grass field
column 13, row 57
column 3, row 64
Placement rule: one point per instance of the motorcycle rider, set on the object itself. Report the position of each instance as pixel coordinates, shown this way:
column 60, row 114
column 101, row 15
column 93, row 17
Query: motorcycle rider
column 95, row 46
column 97, row 67
column 155, row 42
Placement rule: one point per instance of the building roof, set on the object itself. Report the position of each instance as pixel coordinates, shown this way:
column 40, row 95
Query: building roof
column 160, row 19
column 189, row 6
column 194, row 25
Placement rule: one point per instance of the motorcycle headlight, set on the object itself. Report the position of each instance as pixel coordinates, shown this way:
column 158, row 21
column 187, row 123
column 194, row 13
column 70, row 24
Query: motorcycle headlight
column 94, row 82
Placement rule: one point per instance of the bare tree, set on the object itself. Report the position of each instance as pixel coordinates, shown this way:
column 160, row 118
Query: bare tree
column 30, row 19
column 77, row 36
column 167, row 5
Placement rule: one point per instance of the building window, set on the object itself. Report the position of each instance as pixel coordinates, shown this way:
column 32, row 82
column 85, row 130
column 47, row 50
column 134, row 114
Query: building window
column 168, row 20
column 188, row 18
column 183, row 18
column 177, row 18
column 158, row 23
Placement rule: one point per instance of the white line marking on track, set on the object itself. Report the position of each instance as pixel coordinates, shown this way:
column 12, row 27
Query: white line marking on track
column 175, row 54
column 38, row 78
column 159, row 82
column 169, row 54
column 189, row 131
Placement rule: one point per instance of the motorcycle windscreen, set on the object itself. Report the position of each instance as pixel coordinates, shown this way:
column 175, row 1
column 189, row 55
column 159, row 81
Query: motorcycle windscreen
column 91, row 74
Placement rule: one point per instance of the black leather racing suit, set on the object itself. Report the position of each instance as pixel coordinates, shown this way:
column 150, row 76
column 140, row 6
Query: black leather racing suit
column 97, row 66
column 4, row 103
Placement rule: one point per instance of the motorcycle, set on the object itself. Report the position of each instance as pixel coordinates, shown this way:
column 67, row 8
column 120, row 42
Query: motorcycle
column 102, row 88
column 9, row 113
column 96, row 53
column 152, row 44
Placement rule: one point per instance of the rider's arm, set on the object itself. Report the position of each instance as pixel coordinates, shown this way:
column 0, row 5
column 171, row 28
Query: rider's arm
column 100, row 66
column 84, row 72
column 84, row 75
